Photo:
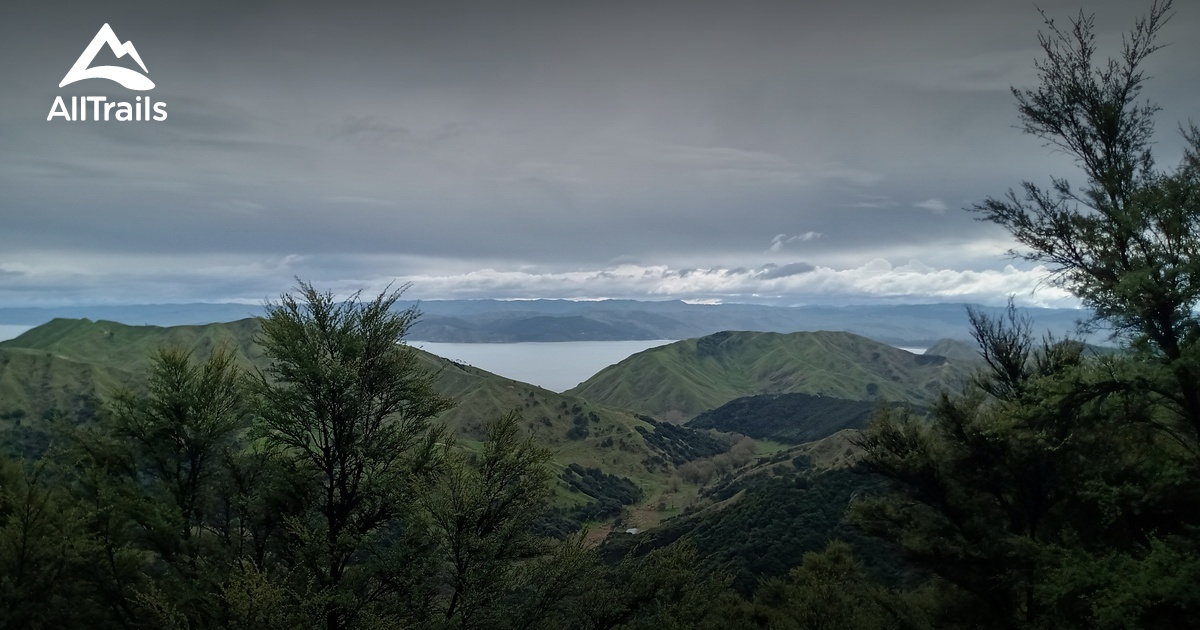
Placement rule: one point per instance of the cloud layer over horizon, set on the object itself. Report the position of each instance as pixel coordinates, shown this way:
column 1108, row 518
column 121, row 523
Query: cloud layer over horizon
column 791, row 152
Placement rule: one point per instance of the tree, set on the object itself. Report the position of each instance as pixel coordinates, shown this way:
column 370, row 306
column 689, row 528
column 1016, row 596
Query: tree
column 483, row 511
column 1035, row 495
column 176, row 436
column 830, row 590
column 44, row 553
column 149, row 482
column 347, row 405
column 670, row 587
column 1060, row 490
column 1125, row 242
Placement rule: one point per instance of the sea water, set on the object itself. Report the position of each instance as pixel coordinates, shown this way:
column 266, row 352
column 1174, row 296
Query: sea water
column 554, row 365
column 9, row 331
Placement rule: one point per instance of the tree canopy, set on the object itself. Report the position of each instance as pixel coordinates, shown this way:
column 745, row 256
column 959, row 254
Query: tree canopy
column 1061, row 489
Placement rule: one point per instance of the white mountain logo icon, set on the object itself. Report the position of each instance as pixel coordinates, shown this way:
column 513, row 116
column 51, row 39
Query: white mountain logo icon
column 126, row 77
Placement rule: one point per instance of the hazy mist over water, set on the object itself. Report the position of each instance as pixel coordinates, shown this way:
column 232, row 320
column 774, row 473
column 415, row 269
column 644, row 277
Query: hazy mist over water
column 9, row 331
column 556, row 366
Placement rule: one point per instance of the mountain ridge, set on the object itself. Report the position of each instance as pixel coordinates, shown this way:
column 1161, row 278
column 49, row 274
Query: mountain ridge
column 677, row 381
column 66, row 368
column 503, row 321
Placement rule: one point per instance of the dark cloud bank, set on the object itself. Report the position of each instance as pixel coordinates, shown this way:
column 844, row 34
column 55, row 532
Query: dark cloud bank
column 736, row 151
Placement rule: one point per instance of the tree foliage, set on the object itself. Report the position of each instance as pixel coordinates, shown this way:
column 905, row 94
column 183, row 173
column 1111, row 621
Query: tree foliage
column 318, row 493
column 1060, row 490
column 1125, row 241
column 483, row 512
column 345, row 404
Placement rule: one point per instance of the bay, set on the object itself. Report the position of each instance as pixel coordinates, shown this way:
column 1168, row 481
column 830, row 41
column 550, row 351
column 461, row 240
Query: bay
column 10, row 331
column 556, row 366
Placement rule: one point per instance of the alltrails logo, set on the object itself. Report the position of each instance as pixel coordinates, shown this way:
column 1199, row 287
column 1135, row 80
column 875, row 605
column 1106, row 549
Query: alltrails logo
column 100, row 108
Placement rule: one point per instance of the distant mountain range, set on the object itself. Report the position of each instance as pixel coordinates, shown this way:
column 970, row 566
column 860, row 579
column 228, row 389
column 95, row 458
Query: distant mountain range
column 501, row 321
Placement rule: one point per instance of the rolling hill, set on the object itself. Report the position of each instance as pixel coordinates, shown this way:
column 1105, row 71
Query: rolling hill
column 677, row 381
column 127, row 347
column 787, row 418
column 955, row 350
column 65, row 368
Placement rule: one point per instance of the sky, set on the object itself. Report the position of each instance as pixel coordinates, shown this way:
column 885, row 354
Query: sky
column 744, row 151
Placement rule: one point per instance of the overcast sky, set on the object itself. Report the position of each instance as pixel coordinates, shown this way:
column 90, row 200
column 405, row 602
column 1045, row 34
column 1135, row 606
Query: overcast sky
column 792, row 152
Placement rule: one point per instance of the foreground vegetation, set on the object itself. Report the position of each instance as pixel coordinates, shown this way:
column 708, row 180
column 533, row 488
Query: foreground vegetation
column 315, row 493
column 1061, row 491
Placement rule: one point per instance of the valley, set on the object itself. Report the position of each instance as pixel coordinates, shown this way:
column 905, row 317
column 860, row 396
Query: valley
column 670, row 420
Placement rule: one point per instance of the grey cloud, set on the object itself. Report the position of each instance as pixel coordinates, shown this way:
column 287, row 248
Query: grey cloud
column 361, row 201
column 368, row 130
column 529, row 135
column 790, row 269
column 936, row 206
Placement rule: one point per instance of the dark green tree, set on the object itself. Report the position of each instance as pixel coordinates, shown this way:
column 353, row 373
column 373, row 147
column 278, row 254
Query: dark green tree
column 347, row 405
column 831, row 590
column 1125, row 242
column 176, row 437
column 671, row 587
column 45, row 552
column 152, row 476
column 483, row 511
column 1034, row 496
column 1061, row 490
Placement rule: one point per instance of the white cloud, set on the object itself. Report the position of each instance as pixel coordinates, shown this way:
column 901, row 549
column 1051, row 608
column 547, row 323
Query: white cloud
column 875, row 280
column 782, row 240
column 82, row 279
column 936, row 206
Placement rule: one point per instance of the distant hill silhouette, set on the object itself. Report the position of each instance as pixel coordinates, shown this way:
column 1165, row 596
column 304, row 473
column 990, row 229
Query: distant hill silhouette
column 910, row 325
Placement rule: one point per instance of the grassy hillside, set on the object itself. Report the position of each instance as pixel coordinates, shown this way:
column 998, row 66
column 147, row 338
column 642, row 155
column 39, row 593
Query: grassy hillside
column 680, row 380
column 787, row 418
column 67, row 367
column 579, row 431
column 128, row 347
column 956, row 350
column 64, row 369
column 37, row 387
column 760, row 525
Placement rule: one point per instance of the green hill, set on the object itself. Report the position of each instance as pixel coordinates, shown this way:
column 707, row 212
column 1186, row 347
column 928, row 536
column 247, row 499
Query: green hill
column 787, row 418
column 579, row 431
column 66, row 367
column 680, row 380
column 129, row 347
column 956, row 350
column 759, row 524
